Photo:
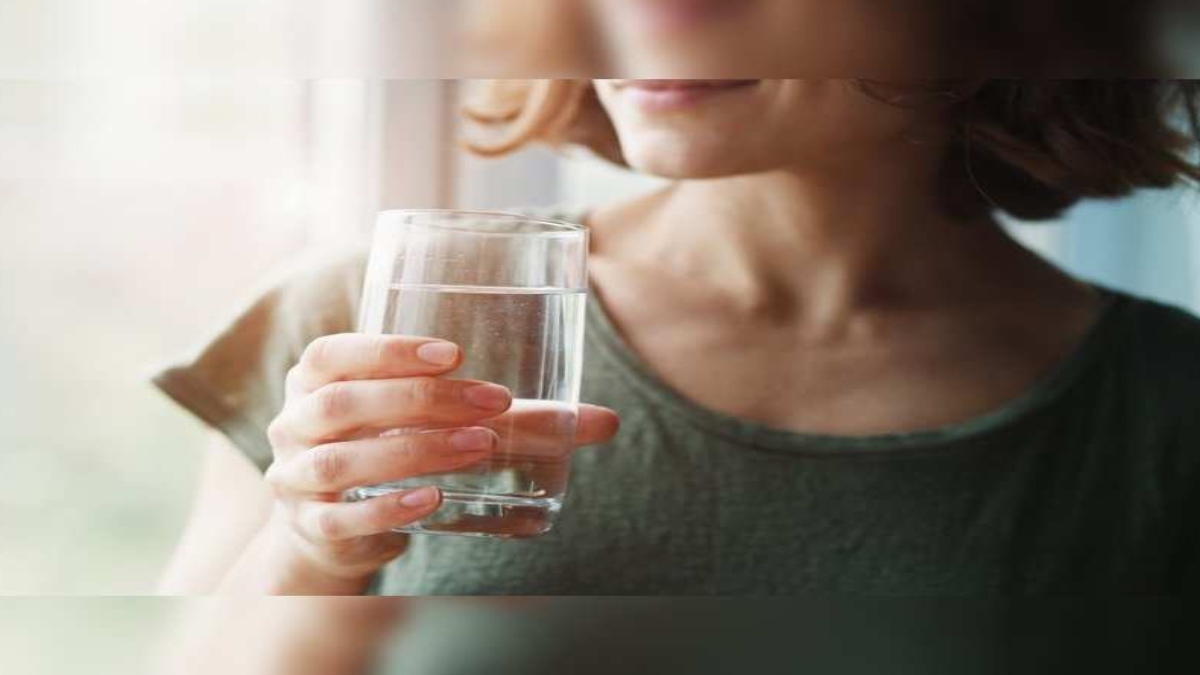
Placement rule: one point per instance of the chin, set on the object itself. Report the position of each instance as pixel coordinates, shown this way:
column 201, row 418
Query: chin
column 684, row 160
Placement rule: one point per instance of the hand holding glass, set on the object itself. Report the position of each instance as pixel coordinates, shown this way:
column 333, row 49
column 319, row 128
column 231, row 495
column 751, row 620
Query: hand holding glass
column 511, row 292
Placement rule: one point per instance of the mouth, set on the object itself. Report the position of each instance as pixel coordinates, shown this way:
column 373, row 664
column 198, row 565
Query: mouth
column 666, row 95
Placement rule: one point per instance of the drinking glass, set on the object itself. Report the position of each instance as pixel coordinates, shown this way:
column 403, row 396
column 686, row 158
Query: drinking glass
column 511, row 291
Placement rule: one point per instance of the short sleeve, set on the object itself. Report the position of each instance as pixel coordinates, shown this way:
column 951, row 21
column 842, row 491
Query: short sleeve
column 234, row 381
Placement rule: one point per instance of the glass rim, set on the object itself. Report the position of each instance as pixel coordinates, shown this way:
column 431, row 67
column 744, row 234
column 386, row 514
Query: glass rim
column 554, row 226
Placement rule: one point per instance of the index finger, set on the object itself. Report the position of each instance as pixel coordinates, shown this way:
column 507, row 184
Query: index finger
column 355, row 356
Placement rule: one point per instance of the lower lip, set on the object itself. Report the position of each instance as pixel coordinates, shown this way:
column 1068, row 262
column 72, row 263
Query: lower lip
column 680, row 98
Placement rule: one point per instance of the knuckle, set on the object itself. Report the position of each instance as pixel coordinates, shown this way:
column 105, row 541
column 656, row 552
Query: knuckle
column 278, row 488
column 273, row 479
column 277, row 432
column 334, row 401
column 328, row 464
column 293, row 378
column 408, row 457
column 424, row 392
column 327, row 525
column 317, row 353
column 386, row 514
column 408, row 447
column 388, row 349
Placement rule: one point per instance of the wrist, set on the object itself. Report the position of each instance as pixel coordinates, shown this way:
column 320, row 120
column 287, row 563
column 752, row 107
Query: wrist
column 277, row 564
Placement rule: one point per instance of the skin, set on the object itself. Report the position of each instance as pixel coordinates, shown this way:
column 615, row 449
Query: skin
column 759, row 38
column 814, row 268
column 799, row 272
column 342, row 393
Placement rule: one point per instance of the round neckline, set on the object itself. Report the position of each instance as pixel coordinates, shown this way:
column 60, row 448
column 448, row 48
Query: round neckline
column 1039, row 395
column 1043, row 392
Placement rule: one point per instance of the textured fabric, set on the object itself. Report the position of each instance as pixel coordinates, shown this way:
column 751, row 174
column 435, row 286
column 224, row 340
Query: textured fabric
column 849, row 635
column 1084, row 485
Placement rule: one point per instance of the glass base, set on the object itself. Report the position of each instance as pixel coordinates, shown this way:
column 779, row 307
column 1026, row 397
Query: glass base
column 474, row 515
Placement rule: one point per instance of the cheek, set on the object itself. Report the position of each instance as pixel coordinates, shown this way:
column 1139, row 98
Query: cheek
column 833, row 118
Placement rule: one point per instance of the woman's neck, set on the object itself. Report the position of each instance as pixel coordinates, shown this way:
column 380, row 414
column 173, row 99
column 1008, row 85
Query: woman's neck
column 824, row 247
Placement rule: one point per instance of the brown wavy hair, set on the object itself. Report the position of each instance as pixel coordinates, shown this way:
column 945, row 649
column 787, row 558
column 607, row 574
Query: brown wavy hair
column 1026, row 148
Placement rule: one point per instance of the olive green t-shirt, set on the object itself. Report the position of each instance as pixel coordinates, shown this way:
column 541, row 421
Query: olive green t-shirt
column 1086, row 484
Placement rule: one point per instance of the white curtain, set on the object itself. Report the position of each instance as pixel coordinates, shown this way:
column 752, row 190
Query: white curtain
column 136, row 214
column 228, row 38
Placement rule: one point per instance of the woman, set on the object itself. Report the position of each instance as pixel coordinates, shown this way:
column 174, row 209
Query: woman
column 834, row 370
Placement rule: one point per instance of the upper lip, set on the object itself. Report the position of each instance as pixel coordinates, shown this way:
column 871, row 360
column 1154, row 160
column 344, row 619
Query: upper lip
column 668, row 85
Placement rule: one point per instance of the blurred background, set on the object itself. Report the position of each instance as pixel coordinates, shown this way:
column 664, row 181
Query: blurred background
column 138, row 211
column 137, row 215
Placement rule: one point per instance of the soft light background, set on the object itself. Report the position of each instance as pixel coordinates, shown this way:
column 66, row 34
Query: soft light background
column 136, row 213
column 78, row 636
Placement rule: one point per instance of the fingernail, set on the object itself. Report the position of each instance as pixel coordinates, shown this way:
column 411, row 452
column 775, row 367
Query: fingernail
column 420, row 497
column 488, row 397
column 438, row 353
column 469, row 440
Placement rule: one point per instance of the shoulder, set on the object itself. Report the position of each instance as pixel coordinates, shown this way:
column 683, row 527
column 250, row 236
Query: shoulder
column 234, row 379
column 1157, row 373
column 1164, row 342
column 320, row 291
column 314, row 293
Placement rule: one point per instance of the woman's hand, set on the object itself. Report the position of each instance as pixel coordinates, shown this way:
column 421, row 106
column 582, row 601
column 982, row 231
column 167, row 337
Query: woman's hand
column 345, row 392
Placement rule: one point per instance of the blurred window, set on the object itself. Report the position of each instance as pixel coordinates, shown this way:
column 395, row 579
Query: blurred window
column 138, row 213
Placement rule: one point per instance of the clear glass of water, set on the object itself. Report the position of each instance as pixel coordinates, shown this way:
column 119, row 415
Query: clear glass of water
column 511, row 291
